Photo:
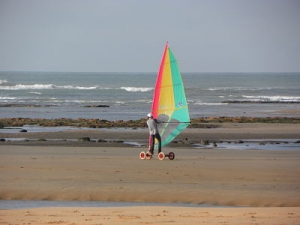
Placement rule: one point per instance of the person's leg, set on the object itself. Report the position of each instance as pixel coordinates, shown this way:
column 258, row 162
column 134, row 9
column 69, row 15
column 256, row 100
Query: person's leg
column 159, row 142
column 149, row 143
column 152, row 144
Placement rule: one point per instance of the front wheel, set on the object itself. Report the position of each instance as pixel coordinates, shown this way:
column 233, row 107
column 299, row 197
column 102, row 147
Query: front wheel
column 161, row 156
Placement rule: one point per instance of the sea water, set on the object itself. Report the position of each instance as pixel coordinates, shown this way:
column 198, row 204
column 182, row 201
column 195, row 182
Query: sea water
column 27, row 204
column 129, row 95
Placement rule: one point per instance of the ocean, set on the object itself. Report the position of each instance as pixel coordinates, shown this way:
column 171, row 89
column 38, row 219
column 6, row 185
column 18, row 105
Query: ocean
column 129, row 95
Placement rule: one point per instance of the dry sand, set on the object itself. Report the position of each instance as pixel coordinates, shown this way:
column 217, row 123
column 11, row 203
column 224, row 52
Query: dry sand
column 265, row 182
column 152, row 215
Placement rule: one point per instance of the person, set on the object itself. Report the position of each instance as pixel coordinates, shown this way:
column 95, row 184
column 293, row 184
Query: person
column 154, row 133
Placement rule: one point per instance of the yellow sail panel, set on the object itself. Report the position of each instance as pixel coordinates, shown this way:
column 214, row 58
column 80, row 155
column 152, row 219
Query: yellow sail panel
column 166, row 103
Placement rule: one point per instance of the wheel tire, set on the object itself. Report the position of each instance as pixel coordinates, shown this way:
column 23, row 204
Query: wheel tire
column 148, row 156
column 171, row 156
column 142, row 155
column 161, row 156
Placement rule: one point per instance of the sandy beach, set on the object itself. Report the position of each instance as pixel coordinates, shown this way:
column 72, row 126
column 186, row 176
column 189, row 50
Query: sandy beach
column 152, row 215
column 242, row 186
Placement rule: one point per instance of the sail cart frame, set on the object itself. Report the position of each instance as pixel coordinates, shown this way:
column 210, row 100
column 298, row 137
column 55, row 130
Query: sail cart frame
column 169, row 106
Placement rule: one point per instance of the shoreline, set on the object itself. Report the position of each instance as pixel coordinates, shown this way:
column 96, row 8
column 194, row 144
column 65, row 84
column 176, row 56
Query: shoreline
column 238, row 133
column 32, row 204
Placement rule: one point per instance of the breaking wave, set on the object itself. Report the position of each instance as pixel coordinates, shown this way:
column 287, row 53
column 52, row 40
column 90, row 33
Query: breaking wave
column 44, row 87
column 137, row 89
column 273, row 98
column 3, row 82
column 210, row 103
column 67, row 87
column 7, row 98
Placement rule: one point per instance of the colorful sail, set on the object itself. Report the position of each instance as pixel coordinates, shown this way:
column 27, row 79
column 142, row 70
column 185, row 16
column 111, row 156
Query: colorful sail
column 169, row 105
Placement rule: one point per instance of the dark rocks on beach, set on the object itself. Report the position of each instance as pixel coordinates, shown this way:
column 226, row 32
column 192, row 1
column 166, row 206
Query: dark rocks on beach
column 42, row 139
column 204, row 142
column 101, row 141
column 23, row 131
column 205, row 123
column 84, row 139
column 2, row 140
column 19, row 105
column 117, row 141
column 199, row 123
column 179, row 142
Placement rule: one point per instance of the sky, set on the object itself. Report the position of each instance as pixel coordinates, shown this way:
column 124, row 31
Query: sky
column 130, row 35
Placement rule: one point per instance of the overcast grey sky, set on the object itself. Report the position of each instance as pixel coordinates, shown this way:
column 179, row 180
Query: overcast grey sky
column 129, row 35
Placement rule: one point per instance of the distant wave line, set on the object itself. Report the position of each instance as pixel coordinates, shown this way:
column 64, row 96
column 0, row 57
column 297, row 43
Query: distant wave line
column 210, row 103
column 246, row 88
column 8, row 98
column 273, row 98
column 260, row 102
column 137, row 89
column 43, row 87
column 14, row 100
column 71, row 87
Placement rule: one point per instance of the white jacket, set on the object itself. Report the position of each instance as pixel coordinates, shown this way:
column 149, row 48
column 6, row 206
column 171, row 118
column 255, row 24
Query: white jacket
column 152, row 125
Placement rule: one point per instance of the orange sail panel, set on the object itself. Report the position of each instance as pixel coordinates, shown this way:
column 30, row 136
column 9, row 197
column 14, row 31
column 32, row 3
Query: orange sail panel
column 169, row 105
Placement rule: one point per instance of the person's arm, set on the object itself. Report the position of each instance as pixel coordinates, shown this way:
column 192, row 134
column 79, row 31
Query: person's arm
column 158, row 121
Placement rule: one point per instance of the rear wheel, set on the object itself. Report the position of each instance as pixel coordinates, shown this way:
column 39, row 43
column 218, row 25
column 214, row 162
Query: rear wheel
column 143, row 155
column 171, row 155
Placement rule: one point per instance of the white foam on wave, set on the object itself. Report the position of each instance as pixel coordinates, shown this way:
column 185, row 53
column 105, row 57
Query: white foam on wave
column 86, row 88
column 76, row 87
column 273, row 98
column 210, row 103
column 137, row 89
column 44, row 87
column 3, row 82
column 8, row 98
column 239, row 88
column 28, row 87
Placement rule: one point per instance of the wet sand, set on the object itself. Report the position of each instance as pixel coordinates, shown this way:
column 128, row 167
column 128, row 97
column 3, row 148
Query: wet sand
column 211, row 176
column 115, row 137
column 265, row 183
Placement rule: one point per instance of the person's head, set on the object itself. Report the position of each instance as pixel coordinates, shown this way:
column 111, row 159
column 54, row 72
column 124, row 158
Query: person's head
column 150, row 115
